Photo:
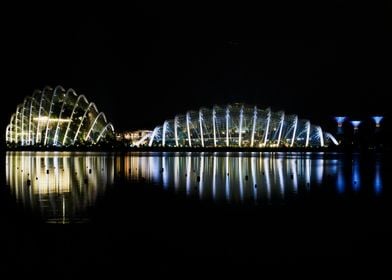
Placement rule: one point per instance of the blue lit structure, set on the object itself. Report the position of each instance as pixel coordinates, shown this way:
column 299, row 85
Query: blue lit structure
column 356, row 124
column 340, row 120
column 377, row 120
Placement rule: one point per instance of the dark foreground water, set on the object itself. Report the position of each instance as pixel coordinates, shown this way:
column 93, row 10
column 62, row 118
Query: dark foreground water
column 189, row 213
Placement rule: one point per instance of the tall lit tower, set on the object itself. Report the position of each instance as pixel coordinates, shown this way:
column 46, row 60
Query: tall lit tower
column 340, row 120
column 377, row 138
column 377, row 120
column 355, row 124
column 355, row 139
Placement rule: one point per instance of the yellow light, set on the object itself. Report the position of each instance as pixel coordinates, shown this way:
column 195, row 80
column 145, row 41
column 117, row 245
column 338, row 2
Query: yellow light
column 45, row 119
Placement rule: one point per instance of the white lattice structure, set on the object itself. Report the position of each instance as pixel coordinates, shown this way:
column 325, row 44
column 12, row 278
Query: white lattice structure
column 238, row 125
column 57, row 117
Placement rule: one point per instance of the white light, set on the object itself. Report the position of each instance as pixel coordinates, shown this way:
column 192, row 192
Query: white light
column 45, row 119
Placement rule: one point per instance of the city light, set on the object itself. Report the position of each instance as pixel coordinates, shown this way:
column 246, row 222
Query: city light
column 46, row 119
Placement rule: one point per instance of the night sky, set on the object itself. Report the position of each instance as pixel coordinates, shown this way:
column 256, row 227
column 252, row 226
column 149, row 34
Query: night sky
column 141, row 65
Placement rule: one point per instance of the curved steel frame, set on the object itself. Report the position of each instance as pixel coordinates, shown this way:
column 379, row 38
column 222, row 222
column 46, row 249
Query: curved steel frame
column 40, row 107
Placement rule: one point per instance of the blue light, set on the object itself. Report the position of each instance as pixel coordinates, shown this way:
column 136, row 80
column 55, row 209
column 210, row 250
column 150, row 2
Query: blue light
column 377, row 119
column 341, row 184
column 356, row 179
column 356, row 124
column 340, row 120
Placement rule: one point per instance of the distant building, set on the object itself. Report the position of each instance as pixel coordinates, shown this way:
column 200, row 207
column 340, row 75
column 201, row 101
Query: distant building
column 134, row 138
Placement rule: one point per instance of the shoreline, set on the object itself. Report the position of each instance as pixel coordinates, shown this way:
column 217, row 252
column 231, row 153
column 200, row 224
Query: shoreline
column 328, row 150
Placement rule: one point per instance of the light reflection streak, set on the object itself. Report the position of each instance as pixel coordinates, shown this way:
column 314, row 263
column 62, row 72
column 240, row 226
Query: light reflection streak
column 58, row 186
column 214, row 178
column 176, row 173
column 240, row 179
column 232, row 178
column 377, row 179
column 319, row 170
column 340, row 181
column 63, row 185
column 154, row 170
column 280, row 174
column 254, row 179
column 308, row 171
column 165, row 175
column 201, row 185
column 227, row 176
column 267, row 178
column 188, row 175
column 294, row 174
column 356, row 179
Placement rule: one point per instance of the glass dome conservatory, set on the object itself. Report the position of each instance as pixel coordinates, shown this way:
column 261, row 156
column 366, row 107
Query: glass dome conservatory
column 237, row 125
column 57, row 117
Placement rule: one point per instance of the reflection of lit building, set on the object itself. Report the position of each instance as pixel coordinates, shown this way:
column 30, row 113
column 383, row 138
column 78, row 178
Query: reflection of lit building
column 254, row 178
column 58, row 185
column 356, row 177
column 238, row 125
column 377, row 179
column 133, row 138
column 226, row 177
column 61, row 186
column 57, row 117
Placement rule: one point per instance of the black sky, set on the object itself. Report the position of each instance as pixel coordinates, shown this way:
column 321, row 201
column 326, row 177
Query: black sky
column 141, row 65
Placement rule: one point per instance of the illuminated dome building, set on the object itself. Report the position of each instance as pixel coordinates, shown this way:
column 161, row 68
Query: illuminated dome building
column 237, row 125
column 57, row 117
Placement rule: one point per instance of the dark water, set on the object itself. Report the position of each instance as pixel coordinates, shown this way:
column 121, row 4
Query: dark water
column 192, row 213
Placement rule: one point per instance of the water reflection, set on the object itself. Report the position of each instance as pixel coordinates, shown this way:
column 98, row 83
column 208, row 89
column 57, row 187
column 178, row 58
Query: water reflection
column 377, row 179
column 356, row 179
column 247, row 178
column 61, row 186
column 58, row 186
